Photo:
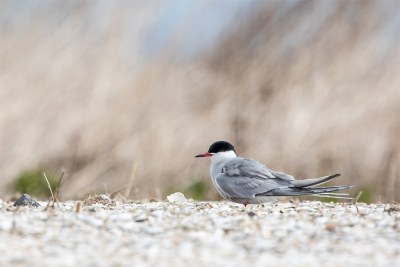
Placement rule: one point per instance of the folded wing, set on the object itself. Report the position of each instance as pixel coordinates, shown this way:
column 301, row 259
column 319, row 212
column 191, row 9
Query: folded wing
column 245, row 178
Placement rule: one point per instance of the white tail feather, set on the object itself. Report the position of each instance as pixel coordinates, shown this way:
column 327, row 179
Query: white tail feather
column 319, row 195
column 338, row 194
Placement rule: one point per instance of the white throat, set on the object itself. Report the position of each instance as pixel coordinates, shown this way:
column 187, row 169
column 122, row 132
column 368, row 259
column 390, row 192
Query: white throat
column 223, row 156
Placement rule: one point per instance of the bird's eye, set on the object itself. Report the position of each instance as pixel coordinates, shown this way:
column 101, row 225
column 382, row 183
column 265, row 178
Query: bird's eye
column 223, row 170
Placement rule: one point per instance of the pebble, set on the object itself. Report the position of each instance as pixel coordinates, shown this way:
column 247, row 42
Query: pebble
column 190, row 233
column 118, row 205
column 26, row 200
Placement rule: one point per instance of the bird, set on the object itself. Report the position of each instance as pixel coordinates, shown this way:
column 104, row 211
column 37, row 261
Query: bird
column 247, row 181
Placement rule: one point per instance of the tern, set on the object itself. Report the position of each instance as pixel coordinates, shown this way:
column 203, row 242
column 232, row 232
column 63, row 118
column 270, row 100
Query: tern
column 247, row 181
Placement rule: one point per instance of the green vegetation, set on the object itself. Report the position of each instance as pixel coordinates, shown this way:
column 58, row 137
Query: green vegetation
column 198, row 189
column 367, row 195
column 33, row 183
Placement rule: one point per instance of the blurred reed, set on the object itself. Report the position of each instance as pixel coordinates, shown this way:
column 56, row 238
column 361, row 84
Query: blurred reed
column 310, row 88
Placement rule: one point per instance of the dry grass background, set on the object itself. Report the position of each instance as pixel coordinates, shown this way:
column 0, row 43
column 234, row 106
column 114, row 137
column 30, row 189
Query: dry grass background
column 307, row 88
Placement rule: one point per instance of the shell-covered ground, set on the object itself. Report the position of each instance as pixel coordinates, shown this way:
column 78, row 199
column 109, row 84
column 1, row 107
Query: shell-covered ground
column 200, row 234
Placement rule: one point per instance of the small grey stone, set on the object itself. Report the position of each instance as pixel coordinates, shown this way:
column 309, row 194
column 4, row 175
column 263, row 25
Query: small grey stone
column 251, row 214
column 26, row 200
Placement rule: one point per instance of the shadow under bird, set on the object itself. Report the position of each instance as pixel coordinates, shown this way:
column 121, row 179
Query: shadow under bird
column 247, row 181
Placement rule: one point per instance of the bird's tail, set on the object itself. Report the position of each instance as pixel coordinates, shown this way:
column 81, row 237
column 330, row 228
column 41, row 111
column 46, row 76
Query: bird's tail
column 314, row 191
column 315, row 181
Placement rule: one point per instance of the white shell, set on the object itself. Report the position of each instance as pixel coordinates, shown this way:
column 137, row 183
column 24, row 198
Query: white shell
column 177, row 198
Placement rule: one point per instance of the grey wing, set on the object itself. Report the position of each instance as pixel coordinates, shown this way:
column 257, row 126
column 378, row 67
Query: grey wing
column 244, row 178
column 246, row 187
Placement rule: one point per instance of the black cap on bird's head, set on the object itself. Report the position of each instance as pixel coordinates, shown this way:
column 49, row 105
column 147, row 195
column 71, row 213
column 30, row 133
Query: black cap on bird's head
column 219, row 146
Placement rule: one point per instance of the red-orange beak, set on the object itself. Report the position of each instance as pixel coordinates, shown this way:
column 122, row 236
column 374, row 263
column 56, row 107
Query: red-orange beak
column 204, row 155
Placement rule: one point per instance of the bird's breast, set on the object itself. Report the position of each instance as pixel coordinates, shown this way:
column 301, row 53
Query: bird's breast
column 215, row 170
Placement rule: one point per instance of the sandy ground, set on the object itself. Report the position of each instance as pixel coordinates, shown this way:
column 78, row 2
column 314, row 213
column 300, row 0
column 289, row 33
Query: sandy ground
column 201, row 234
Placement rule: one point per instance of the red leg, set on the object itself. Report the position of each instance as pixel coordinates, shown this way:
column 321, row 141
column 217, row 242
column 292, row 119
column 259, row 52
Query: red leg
column 245, row 204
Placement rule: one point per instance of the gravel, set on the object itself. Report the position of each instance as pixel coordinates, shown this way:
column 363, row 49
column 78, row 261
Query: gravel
column 200, row 234
column 26, row 200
